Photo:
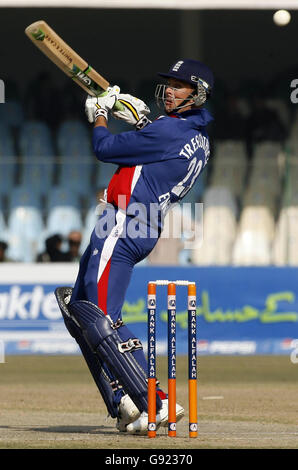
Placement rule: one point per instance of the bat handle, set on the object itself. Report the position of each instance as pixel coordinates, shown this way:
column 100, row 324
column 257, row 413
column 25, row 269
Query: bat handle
column 118, row 106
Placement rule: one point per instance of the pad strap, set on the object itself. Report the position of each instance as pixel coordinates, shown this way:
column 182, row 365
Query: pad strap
column 130, row 345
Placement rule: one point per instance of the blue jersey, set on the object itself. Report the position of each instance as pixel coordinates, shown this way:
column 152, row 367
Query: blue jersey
column 158, row 164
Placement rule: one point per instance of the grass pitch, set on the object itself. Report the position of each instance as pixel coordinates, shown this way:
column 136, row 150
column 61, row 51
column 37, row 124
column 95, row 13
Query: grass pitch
column 51, row 402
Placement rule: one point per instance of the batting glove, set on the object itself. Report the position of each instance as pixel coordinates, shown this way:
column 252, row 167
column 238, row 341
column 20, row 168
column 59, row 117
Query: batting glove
column 134, row 111
column 101, row 105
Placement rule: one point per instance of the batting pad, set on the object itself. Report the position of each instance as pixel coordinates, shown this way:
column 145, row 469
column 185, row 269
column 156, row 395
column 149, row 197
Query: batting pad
column 104, row 340
column 99, row 372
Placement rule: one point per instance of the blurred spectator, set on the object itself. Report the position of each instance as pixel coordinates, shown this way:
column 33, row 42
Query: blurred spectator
column 53, row 251
column 100, row 195
column 263, row 124
column 3, row 248
column 98, row 202
column 74, row 243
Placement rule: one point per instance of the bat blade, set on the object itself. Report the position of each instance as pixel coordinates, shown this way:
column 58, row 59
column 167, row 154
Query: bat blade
column 61, row 54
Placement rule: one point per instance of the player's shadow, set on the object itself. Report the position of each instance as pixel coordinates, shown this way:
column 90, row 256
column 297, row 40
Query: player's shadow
column 76, row 429
column 107, row 430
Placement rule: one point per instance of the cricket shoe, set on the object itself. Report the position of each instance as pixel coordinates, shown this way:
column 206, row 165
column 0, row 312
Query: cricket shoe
column 140, row 426
column 127, row 413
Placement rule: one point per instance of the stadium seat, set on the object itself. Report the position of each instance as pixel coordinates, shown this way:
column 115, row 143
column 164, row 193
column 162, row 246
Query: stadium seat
column 76, row 157
column 62, row 197
column 76, row 177
column 230, row 176
column 8, row 161
column 180, row 233
column 285, row 247
column 77, row 149
column 266, row 181
column 286, row 243
column 266, row 151
column 35, row 140
column 74, row 139
column 218, row 237
column 253, row 244
column 64, row 212
column 259, row 218
column 219, row 222
column 291, row 175
column 220, row 196
column 12, row 113
column 229, row 166
column 267, row 164
column 6, row 141
column 104, row 173
column 38, row 176
column 38, row 156
column 230, row 149
column 258, row 195
column 25, row 225
column 252, row 248
column 22, row 196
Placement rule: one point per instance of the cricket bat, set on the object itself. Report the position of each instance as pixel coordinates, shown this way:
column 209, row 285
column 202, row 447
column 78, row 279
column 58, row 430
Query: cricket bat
column 45, row 38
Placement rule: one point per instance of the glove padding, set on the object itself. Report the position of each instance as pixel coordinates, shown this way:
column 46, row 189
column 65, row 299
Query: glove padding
column 101, row 105
column 134, row 111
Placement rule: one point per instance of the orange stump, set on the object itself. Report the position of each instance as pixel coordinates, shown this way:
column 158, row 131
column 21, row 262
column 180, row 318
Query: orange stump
column 151, row 359
column 172, row 359
column 192, row 362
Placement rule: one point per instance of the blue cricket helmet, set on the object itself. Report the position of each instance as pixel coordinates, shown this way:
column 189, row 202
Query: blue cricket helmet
column 192, row 72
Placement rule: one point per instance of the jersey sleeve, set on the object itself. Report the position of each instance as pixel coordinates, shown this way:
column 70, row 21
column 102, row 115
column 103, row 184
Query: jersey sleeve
column 134, row 147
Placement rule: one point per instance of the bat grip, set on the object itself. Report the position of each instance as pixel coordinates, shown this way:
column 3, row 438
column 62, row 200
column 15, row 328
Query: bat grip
column 118, row 106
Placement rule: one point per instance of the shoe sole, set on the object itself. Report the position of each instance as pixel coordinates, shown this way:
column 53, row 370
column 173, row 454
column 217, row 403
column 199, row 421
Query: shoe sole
column 179, row 415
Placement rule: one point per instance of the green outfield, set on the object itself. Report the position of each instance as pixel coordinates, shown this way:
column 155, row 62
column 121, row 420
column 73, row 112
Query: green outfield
column 51, row 402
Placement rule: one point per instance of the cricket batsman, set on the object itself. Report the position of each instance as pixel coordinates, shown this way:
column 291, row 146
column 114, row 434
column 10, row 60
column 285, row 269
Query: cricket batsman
column 158, row 163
